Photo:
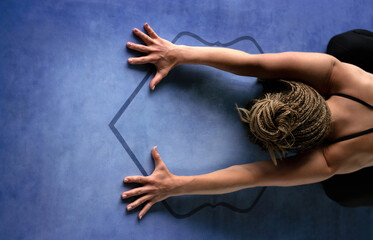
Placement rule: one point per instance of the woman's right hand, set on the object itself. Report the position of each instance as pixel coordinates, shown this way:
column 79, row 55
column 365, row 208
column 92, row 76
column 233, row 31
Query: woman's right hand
column 160, row 52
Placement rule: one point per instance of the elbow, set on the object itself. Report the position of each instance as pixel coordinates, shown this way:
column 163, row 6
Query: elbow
column 330, row 172
column 330, row 169
column 330, row 81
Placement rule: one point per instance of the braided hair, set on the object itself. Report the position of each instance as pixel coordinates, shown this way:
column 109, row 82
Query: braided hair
column 291, row 116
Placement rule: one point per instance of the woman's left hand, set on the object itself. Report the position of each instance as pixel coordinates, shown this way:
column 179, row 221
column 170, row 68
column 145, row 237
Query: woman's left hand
column 160, row 185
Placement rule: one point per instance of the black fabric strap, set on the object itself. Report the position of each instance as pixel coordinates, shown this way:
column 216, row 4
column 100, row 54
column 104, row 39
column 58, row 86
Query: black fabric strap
column 354, row 135
column 353, row 98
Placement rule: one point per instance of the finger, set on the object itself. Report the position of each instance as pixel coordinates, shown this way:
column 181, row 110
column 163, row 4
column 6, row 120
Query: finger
column 135, row 179
column 157, row 158
column 138, row 47
column 143, row 36
column 141, row 60
column 137, row 191
column 139, row 201
column 157, row 78
column 150, row 31
column 145, row 209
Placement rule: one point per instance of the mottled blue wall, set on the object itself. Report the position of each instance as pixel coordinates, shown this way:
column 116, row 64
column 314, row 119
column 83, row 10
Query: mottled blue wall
column 64, row 76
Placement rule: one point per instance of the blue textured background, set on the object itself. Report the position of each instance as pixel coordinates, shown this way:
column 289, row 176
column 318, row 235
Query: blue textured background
column 63, row 77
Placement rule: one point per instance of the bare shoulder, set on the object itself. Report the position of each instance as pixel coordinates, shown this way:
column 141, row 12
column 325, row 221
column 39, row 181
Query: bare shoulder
column 351, row 155
column 352, row 80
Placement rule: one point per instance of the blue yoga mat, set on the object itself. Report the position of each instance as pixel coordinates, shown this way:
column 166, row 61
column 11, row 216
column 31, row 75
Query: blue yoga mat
column 76, row 118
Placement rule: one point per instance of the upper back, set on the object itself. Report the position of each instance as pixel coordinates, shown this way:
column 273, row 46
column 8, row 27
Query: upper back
column 356, row 153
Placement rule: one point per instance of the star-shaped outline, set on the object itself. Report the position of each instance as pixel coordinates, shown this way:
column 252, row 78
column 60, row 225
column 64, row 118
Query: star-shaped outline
column 133, row 156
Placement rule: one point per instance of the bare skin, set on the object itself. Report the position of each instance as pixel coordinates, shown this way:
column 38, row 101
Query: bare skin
column 323, row 72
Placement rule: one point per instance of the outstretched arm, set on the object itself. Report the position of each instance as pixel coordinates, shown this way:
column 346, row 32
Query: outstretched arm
column 314, row 69
column 305, row 168
column 302, row 169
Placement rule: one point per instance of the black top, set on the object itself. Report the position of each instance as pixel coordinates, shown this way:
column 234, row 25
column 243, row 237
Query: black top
column 354, row 135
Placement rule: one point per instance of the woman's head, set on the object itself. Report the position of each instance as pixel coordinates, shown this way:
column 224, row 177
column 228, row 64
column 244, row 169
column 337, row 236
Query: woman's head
column 291, row 116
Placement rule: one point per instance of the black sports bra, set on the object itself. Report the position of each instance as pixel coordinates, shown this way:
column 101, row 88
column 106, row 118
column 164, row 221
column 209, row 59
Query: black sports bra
column 354, row 135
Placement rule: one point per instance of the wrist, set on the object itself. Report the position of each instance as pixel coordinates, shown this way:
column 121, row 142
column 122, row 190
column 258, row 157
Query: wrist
column 180, row 183
column 179, row 54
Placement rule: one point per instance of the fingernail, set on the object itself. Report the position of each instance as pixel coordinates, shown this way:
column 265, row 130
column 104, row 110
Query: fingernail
column 135, row 30
column 124, row 196
column 130, row 60
column 129, row 44
column 129, row 207
column 153, row 88
column 125, row 180
column 140, row 217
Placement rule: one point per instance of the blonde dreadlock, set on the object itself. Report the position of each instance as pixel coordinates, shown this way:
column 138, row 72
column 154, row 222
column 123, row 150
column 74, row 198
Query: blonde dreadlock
column 296, row 118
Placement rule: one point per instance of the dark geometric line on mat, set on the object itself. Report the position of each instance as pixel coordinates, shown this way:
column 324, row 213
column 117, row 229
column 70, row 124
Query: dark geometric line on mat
column 137, row 162
column 117, row 116
column 224, row 204
column 195, row 36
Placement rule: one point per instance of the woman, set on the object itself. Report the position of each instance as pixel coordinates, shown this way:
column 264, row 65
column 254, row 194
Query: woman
column 292, row 116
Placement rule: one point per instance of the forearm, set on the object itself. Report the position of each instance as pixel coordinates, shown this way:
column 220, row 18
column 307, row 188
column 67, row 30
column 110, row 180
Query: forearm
column 226, row 59
column 219, row 182
column 233, row 179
